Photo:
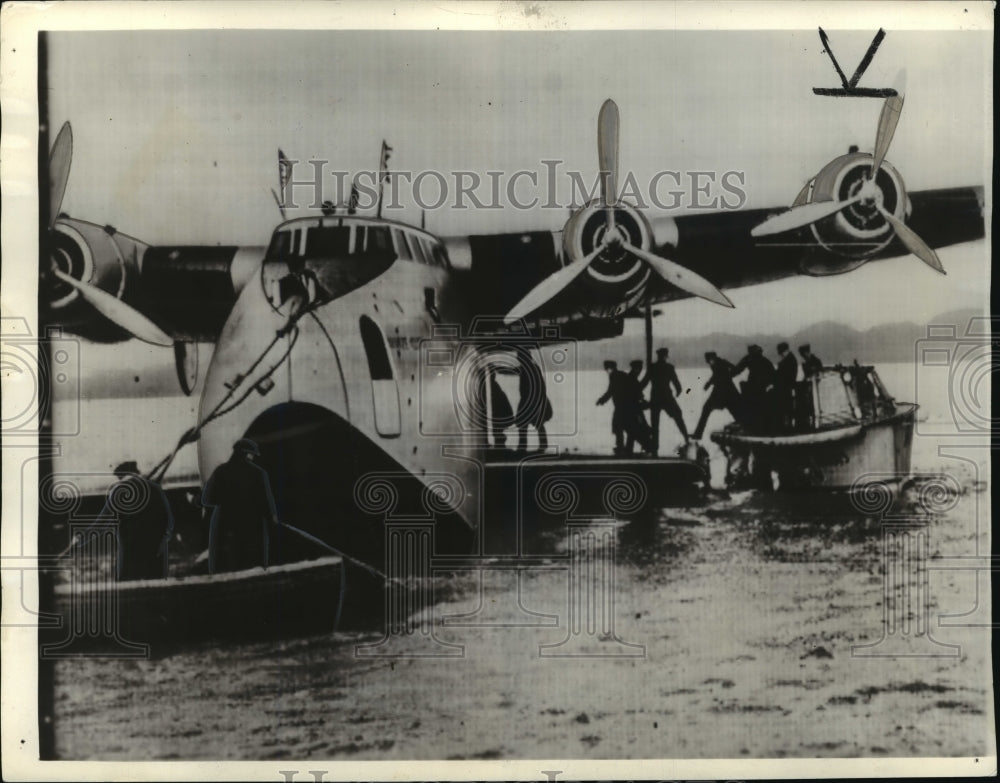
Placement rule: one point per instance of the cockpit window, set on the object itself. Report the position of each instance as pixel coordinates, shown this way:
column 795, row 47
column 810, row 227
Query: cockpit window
column 280, row 248
column 418, row 250
column 440, row 255
column 402, row 249
column 328, row 241
column 379, row 241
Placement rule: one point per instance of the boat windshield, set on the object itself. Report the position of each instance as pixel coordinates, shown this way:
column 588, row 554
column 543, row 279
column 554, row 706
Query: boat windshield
column 835, row 399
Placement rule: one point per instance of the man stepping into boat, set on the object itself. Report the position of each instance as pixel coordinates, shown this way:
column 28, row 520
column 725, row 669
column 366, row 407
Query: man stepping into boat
column 723, row 396
column 145, row 524
column 760, row 377
column 240, row 492
column 664, row 385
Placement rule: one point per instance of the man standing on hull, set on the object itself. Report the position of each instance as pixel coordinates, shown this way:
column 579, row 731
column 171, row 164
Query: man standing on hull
column 618, row 393
column 664, row 385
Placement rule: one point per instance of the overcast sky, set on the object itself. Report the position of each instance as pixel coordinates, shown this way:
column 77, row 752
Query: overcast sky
column 176, row 133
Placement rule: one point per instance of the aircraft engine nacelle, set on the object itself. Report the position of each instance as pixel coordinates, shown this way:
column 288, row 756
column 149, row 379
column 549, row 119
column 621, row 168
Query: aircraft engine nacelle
column 93, row 254
column 615, row 280
column 859, row 231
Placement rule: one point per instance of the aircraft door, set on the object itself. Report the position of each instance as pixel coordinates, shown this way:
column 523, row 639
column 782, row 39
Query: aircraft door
column 385, row 391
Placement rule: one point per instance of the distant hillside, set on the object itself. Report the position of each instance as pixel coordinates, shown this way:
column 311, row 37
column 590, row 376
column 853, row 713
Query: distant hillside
column 832, row 341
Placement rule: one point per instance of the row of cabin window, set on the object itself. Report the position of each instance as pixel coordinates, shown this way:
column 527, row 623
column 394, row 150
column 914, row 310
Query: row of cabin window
column 333, row 241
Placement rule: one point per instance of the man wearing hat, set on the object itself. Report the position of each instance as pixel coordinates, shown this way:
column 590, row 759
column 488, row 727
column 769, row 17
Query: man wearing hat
column 811, row 364
column 723, row 395
column 243, row 512
column 618, row 393
column 785, row 376
column 636, row 427
column 664, row 384
column 760, row 378
column 145, row 524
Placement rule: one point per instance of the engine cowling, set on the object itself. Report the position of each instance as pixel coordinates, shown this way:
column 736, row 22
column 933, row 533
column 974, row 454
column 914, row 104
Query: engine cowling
column 616, row 279
column 93, row 254
column 859, row 231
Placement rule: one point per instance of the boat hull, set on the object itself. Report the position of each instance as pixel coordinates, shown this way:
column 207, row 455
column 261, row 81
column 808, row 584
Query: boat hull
column 277, row 602
column 847, row 457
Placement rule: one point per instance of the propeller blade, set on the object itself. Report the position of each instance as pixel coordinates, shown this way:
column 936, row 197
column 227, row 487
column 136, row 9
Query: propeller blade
column 59, row 162
column 887, row 122
column 550, row 286
column 607, row 155
column 802, row 215
column 680, row 276
column 913, row 243
column 116, row 311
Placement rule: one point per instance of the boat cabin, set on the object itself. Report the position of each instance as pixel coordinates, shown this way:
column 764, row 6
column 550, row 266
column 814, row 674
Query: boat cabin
column 839, row 396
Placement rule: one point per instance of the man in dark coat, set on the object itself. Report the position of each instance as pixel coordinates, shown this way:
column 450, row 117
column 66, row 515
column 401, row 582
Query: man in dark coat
column 811, row 364
column 501, row 413
column 623, row 401
column 760, row 378
column 785, row 376
column 533, row 406
column 723, row 395
column 664, row 385
column 636, row 427
column 145, row 524
column 243, row 512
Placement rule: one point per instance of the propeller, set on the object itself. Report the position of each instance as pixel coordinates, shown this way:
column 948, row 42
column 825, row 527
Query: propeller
column 608, row 125
column 59, row 164
column 805, row 214
column 680, row 276
column 607, row 155
column 111, row 307
column 115, row 310
column 551, row 286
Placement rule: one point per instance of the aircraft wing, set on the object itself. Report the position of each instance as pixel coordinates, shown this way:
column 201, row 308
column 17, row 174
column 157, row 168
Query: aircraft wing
column 499, row 271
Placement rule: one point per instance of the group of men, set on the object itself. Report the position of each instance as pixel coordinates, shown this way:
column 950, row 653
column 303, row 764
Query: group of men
column 243, row 517
column 766, row 401
column 625, row 390
column 534, row 409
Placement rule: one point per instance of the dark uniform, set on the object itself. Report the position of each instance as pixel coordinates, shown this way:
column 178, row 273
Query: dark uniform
column 145, row 525
column 724, row 395
column 501, row 414
column 622, row 393
column 533, row 406
column 664, row 384
column 811, row 364
column 760, row 377
column 244, row 510
column 636, row 426
column 785, row 377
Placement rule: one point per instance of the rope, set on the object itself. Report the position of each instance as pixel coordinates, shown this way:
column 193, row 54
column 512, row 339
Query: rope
column 353, row 560
column 221, row 409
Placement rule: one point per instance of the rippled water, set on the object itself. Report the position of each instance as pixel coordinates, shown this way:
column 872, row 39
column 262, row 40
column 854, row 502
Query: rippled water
column 743, row 609
column 747, row 607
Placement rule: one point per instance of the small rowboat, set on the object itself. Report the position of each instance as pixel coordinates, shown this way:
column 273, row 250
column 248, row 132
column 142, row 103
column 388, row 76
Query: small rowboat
column 282, row 600
column 847, row 432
